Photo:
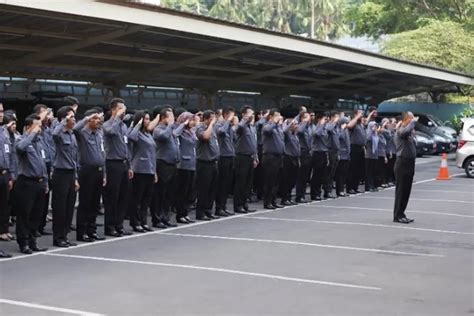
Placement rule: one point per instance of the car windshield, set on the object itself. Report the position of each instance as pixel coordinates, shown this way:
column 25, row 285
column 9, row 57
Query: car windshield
column 436, row 120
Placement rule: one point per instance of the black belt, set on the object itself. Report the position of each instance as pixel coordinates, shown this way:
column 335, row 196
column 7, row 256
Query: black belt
column 98, row 168
column 207, row 161
column 63, row 170
column 245, row 155
column 34, row 179
column 117, row 160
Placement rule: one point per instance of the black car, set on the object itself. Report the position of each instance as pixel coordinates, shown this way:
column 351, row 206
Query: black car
column 425, row 145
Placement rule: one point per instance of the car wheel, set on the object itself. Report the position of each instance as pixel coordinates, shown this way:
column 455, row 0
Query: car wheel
column 469, row 167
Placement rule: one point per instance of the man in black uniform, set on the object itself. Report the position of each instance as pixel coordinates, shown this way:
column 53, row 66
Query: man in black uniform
column 273, row 150
column 65, row 183
column 320, row 156
column 304, row 173
column 245, row 160
column 31, row 185
column 207, row 154
column 404, row 166
column 118, row 169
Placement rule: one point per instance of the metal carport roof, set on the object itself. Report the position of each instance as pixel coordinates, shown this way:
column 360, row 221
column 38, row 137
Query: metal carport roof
column 118, row 42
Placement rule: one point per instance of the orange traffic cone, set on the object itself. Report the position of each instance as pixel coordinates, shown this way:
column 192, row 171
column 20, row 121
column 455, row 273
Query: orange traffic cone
column 443, row 170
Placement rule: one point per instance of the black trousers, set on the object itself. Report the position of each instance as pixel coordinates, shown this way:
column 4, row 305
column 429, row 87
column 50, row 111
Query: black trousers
column 320, row 162
column 357, row 167
column 258, row 175
column 404, row 173
column 46, row 199
column 29, row 203
column 370, row 165
column 272, row 165
column 289, row 176
column 304, row 176
column 63, row 200
column 224, row 182
column 142, row 192
column 243, row 168
column 185, row 196
column 164, row 192
column 390, row 175
column 91, row 180
column 4, row 194
column 341, row 175
column 115, row 195
column 206, row 181
column 380, row 172
column 333, row 160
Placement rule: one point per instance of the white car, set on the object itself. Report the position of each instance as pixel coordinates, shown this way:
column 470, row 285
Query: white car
column 465, row 151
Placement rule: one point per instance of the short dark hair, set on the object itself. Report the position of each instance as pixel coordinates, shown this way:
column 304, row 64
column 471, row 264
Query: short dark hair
column 227, row 110
column 273, row 111
column 63, row 112
column 29, row 120
column 207, row 114
column 245, row 108
column 319, row 115
column 92, row 111
column 164, row 113
column 70, row 101
column 38, row 107
column 114, row 102
column 9, row 116
column 179, row 111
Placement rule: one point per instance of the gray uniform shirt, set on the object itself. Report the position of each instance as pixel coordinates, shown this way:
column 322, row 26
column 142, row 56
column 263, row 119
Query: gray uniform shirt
column 143, row 151
column 345, row 141
column 66, row 148
column 292, row 142
column 116, row 140
column 225, row 136
column 90, row 144
column 187, row 148
column 273, row 139
column 320, row 138
column 206, row 150
column 304, row 135
column 48, row 143
column 167, row 145
column 358, row 136
column 246, row 139
column 405, row 141
column 333, row 137
column 6, row 153
column 31, row 155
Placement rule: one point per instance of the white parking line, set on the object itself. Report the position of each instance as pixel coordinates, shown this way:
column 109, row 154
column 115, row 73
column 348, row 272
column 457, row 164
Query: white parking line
column 286, row 242
column 194, row 267
column 48, row 308
column 442, row 191
column 390, row 210
column 415, row 199
column 358, row 224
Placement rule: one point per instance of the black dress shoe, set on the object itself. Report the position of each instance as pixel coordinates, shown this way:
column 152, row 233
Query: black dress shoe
column 35, row 248
column 72, row 228
column 159, row 225
column 182, row 220
column 96, row 236
column 70, row 243
column 61, row 244
column 269, row 207
column 341, row 194
column 189, row 220
column 250, row 210
column 44, row 232
column 26, row 250
column 301, row 201
column 374, row 190
column 286, row 203
column 410, row 220
column 211, row 216
column 113, row 234
column 351, row 192
column 168, row 224
column 124, row 232
column 85, row 238
column 240, row 211
column 276, row 205
column 401, row 221
column 4, row 255
column 357, row 191
column 293, row 202
column 147, row 228
column 220, row 214
column 138, row 229
column 229, row 213
column 203, row 218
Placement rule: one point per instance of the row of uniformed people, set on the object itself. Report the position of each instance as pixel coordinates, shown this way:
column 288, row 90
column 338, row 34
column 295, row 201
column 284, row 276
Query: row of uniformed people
column 167, row 161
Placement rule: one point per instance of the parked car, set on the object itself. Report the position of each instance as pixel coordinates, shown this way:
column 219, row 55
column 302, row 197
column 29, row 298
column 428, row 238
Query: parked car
column 465, row 151
column 425, row 145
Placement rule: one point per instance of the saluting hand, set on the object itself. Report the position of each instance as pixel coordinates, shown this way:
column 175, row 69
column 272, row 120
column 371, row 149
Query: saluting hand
column 76, row 186
column 130, row 174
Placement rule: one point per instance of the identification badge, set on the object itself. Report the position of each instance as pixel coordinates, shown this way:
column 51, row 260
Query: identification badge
column 102, row 146
column 43, row 154
column 125, row 139
column 7, row 148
